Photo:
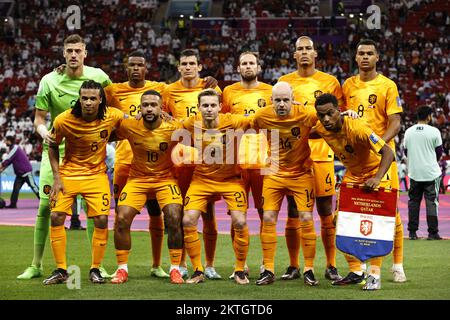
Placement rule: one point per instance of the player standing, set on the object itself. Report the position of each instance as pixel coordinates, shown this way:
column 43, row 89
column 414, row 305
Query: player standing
column 294, row 177
column 308, row 83
column 126, row 97
column 375, row 98
column 359, row 148
column 181, row 100
column 57, row 93
column 150, row 174
column 216, row 176
column 86, row 129
column 245, row 98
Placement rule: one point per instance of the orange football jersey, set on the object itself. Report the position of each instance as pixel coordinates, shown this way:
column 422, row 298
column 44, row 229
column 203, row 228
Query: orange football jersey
column 306, row 90
column 293, row 150
column 152, row 149
column 239, row 100
column 374, row 101
column 182, row 102
column 218, row 146
column 356, row 145
column 128, row 99
column 85, row 142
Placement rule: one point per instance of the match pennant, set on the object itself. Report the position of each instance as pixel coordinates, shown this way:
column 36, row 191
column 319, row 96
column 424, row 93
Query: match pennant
column 366, row 221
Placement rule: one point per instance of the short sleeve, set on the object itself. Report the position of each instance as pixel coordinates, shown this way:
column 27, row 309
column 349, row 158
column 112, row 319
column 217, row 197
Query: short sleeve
column 310, row 117
column 337, row 92
column 57, row 130
column 166, row 100
column 42, row 97
column 366, row 135
column 118, row 116
column 106, row 81
column 225, row 101
column 393, row 101
column 217, row 88
column 188, row 123
column 438, row 138
column 345, row 93
column 109, row 92
column 122, row 131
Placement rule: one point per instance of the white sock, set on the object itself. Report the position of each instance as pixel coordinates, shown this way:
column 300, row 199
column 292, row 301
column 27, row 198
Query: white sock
column 398, row 266
column 123, row 266
column 174, row 267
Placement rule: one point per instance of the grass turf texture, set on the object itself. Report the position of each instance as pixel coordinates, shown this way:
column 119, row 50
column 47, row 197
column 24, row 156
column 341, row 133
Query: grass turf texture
column 426, row 265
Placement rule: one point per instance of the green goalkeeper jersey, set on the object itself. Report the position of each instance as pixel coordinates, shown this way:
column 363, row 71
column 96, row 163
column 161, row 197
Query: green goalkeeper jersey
column 57, row 92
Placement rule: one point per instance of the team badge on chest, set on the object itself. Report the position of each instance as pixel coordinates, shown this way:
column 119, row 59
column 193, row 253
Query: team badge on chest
column 104, row 134
column 163, row 146
column 295, row 131
column 372, row 98
column 261, row 103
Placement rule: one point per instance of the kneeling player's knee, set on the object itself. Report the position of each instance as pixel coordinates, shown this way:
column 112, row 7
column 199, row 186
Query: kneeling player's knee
column 57, row 218
column 324, row 206
column 173, row 215
column 101, row 222
column 121, row 223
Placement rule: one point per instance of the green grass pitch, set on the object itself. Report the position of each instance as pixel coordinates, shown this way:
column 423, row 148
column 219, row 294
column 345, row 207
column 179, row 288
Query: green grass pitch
column 427, row 266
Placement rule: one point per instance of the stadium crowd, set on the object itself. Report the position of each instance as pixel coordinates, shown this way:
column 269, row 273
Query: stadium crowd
column 415, row 58
column 270, row 8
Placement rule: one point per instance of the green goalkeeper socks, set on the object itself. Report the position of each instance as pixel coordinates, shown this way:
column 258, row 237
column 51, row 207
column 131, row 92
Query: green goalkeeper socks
column 41, row 230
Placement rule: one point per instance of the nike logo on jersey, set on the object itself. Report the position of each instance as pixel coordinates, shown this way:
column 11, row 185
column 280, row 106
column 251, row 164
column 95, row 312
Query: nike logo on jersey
column 309, row 205
column 121, row 99
column 176, row 101
column 326, row 190
column 61, row 94
column 235, row 103
column 351, row 97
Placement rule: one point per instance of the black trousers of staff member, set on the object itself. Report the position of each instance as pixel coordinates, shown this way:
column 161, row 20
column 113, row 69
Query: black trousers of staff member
column 430, row 190
column 18, row 183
